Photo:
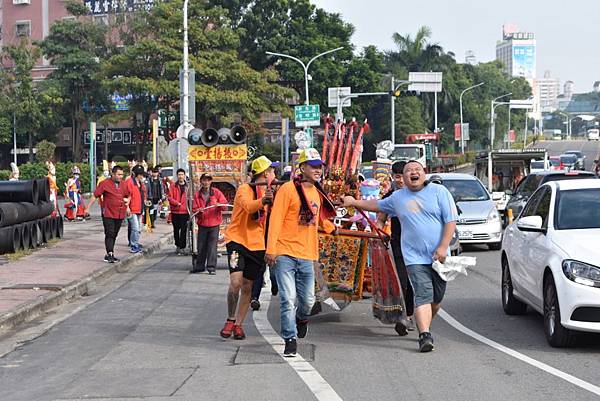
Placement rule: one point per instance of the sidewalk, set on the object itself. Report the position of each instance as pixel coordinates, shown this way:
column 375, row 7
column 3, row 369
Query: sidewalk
column 54, row 275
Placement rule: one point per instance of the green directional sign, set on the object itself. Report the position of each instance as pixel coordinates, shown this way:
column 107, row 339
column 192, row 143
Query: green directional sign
column 307, row 115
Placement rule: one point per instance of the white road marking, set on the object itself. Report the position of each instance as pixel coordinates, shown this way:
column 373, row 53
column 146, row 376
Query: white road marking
column 515, row 354
column 309, row 375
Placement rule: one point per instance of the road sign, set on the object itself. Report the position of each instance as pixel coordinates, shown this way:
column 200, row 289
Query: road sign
column 465, row 132
column 521, row 104
column 334, row 95
column 307, row 116
column 425, row 81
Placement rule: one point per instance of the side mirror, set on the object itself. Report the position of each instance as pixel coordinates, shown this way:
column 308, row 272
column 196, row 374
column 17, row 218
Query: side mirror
column 508, row 192
column 496, row 196
column 531, row 224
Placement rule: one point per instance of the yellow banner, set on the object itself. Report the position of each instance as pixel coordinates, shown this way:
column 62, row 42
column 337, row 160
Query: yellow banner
column 218, row 152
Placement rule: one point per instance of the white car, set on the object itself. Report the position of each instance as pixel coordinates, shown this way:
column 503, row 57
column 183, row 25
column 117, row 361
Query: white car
column 551, row 259
column 593, row 134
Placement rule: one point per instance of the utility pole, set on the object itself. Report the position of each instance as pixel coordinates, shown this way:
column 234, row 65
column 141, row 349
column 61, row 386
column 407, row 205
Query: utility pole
column 393, row 111
column 462, row 138
column 186, row 84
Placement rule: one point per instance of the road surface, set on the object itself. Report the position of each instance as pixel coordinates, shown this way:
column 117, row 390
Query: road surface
column 153, row 335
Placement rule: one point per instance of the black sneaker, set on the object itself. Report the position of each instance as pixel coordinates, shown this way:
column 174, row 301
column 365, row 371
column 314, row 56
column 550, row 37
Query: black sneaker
column 301, row 327
column 255, row 304
column 212, row 272
column 401, row 329
column 291, row 348
column 115, row 259
column 107, row 258
column 425, row 342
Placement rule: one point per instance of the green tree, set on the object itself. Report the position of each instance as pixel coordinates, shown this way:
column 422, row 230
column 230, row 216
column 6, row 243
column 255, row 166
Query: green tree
column 75, row 48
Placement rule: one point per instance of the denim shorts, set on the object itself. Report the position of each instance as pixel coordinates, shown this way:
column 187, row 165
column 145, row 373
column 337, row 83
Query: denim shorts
column 428, row 286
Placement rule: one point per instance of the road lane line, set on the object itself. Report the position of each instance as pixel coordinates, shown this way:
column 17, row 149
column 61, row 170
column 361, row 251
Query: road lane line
column 309, row 375
column 515, row 354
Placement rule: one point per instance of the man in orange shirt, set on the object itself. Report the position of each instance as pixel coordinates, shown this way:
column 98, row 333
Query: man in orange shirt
column 299, row 209
column 245, row 238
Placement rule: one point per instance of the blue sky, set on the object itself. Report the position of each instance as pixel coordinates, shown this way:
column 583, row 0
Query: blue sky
column 567, row 32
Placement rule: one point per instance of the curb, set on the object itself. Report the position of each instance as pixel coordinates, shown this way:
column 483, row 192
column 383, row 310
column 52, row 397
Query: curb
column 77, row 288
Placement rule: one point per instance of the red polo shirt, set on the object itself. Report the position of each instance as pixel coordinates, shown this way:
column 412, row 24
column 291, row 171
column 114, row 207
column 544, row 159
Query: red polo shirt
column 112, row 195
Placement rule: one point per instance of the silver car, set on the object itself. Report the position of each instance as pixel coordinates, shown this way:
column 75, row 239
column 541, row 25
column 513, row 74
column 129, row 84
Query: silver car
column 478, row 221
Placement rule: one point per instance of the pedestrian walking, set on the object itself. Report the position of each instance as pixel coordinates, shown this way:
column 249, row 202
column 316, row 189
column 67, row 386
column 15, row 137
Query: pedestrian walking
column 245, row 237
column 398, row 175
column 75, row 207
column 180, row 216
column 300, row 207
column 427, row 215
column 115, row 199
column 155, row 194
column 209, row 205
column 138, row 196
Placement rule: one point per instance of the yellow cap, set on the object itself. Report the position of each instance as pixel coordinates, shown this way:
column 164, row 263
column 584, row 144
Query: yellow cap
column 260, row 165
column 310, row 156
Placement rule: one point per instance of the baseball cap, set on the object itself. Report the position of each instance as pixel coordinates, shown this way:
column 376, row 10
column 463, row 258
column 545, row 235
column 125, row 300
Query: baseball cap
column 310, row 156
column 260, row 165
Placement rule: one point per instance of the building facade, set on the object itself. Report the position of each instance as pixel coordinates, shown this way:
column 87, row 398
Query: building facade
column 548, row 90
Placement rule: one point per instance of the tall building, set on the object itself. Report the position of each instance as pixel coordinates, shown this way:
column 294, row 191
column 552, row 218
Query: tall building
column 470, row 57
column 548, row 90
column 517, row 51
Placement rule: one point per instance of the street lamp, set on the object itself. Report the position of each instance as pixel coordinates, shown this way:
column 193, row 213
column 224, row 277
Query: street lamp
column 462, row 139
column 305, row 66
column 492, row 123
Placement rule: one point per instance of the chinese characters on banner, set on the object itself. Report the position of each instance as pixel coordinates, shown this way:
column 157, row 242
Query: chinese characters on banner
column 220, row 167
column 98, row 7
column 219, row 152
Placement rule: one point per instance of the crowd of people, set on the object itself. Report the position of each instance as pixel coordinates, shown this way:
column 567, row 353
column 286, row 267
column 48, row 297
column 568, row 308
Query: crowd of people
column 275, row 224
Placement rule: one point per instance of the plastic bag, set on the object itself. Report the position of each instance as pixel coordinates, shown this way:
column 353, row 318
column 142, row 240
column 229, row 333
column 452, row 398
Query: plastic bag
column 453, row 266
column 322, row 290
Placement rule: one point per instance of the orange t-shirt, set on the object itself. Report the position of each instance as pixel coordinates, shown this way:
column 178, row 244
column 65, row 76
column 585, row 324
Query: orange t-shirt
column 287, row 236
column 243, row 229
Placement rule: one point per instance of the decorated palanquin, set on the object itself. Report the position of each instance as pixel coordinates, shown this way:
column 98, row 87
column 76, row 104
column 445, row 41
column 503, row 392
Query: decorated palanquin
column 358, row 260
column 342, row 260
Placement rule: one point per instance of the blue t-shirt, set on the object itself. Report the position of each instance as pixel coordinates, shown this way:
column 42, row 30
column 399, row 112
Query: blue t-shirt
column 422, row 215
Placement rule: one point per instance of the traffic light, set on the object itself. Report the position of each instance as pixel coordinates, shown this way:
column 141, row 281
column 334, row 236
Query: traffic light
column 404, row 93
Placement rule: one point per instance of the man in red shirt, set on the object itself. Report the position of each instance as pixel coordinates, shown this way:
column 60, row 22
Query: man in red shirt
column 115, row 201
column 179, row 210
column 137, row 191
column 210, row 204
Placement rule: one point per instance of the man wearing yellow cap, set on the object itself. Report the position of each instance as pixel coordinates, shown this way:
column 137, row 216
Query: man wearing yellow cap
column 299, row 209
column 245, row 238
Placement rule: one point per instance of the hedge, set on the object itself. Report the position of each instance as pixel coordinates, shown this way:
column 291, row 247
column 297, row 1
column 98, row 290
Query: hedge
column 30, row 171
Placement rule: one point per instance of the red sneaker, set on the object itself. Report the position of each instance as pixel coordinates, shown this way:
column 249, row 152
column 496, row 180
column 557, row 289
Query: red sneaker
column 227, row 329
column 238, row 332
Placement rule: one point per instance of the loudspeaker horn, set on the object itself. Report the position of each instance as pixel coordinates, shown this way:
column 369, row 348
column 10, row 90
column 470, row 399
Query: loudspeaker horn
column 209, row 137
column 195, row 136
column 238, row 135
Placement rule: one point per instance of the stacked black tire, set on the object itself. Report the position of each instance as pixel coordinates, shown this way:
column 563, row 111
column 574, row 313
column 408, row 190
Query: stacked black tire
column 25, row 215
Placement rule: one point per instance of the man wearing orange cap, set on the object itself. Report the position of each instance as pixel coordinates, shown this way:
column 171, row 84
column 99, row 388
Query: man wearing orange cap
column 245, row 238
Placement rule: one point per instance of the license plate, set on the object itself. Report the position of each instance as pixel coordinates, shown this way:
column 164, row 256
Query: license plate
column 465, row 234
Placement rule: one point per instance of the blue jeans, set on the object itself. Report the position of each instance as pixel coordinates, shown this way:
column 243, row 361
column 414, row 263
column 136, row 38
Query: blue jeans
column 134, row 223
column 296, row 280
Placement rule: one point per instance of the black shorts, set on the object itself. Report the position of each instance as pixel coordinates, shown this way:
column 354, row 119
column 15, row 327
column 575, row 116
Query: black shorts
column 241, row 259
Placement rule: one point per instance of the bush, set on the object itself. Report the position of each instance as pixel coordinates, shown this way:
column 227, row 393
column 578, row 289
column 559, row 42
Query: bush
column 63, row 172
column 45, row 151
column 4, row 175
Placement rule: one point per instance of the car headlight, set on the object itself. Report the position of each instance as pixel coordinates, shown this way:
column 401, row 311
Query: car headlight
column 582, row 273
column 493, row 216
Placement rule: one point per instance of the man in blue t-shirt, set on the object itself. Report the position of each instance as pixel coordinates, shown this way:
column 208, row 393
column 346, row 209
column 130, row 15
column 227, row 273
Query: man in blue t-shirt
column 427, row 215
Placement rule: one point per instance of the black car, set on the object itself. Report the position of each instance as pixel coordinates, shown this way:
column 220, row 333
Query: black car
column 580, row 158
column 530, row 183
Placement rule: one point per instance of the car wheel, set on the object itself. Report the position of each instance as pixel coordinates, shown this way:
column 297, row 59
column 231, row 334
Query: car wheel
column 496, row 246
column 556, row 334
column 510, row 304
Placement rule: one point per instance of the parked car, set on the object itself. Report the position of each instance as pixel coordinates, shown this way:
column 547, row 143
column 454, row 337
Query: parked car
column 580, row 158
column 530, row 183
column 568, row 161
column 479, row 221
column 551, row 259
column 593, row 134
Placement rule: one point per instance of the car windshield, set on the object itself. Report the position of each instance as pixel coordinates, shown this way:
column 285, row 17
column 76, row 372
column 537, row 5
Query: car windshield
column 567, row 176
column 568, row 159
column 578, row 209
column 466, row 190
column 574, row 152
column 406, row 153
column 537, row 165
column 554, row 162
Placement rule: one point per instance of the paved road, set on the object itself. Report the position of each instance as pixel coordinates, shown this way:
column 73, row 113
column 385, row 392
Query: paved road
column 591, row 149
column 152, row 335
